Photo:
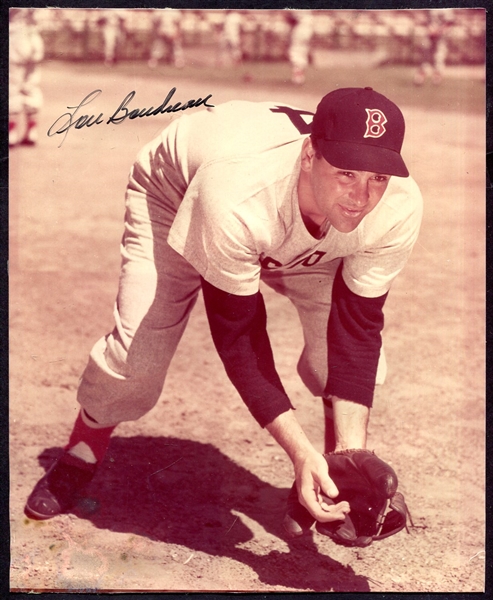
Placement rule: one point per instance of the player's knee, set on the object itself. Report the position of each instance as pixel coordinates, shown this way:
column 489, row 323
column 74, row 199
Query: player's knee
column 111, row 392
column 141, row 362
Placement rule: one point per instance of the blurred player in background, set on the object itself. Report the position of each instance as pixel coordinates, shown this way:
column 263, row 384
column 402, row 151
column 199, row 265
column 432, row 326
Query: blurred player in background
column 230, row 39
column 166, row 42
column 113, row 29
column 26, row 51
column 401, row 27
column 299, row 47
column 433, row 46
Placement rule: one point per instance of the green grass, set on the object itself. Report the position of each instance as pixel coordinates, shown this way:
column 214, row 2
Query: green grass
column 396, row 82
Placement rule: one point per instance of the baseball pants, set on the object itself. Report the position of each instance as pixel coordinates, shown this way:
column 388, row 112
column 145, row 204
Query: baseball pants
column 24, row 88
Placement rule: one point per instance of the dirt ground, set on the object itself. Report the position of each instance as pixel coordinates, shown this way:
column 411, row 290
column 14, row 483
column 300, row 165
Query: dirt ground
column 191, row 497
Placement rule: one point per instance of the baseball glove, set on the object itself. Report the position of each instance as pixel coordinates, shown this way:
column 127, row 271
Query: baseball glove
column 369, row 484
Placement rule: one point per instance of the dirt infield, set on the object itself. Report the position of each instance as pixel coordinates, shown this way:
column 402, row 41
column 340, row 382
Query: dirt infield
column 190, row 498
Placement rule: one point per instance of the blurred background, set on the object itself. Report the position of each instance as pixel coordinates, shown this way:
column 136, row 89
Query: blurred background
column 440, row 51
column 384, row 36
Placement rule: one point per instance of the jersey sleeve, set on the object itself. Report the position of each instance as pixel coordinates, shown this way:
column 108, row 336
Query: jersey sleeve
column 353, row 343
column 238, row 327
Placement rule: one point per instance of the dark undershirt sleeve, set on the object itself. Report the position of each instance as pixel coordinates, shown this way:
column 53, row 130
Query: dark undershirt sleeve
column 238, row 326
column 354, row 342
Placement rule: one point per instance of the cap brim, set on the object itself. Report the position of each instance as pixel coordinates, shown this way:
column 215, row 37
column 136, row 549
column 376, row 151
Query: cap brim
column 363, row 157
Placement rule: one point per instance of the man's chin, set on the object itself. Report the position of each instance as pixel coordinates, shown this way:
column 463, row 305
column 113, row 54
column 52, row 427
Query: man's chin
column 346, row 227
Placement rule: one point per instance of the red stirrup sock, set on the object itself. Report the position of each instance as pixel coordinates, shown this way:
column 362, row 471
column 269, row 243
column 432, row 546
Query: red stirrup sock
column 96, row 438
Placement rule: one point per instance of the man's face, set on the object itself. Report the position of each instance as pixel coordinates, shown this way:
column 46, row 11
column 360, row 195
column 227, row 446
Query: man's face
column 343, row 197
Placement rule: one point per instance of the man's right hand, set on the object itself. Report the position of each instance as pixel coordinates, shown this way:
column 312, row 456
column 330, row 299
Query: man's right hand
column 310, row 469
column 313, row 479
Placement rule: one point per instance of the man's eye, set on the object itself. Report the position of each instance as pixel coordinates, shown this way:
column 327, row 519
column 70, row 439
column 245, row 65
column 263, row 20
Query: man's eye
column 381, row 178
column 347, row 173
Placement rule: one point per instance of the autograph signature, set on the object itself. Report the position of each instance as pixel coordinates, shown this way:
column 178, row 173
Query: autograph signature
column 76, row 120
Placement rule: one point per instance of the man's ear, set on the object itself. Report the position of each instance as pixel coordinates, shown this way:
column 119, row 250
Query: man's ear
column 307, row 155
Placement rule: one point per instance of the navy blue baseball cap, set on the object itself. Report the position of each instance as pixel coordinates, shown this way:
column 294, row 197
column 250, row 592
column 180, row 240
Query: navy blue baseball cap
column 360, row 130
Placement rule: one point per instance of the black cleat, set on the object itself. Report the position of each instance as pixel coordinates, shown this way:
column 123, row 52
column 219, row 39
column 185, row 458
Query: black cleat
column 59, row 489
column 297, row 520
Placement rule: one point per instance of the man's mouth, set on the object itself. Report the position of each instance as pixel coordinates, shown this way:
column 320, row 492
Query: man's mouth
column 351, row 212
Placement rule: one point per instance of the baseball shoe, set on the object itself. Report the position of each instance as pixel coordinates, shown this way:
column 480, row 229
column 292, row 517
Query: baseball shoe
column 31, row 135
column 58, row 491
column 298, row 76
column 419, row 78
column 437, row 78
column 297, row 520
column 14, row 135
column 179, row 63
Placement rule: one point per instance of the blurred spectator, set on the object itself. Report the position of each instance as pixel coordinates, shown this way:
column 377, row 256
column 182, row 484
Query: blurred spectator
column 301, row 23
column 387, row 36
column 166, row 38
column 433, row 46
column 252, row 34
column 365, row 30
column 343, row 30
column 397, row 46
column 26, row 51
column 77, row 23
column 230, row 39
column 276, row 36
column 113, row 27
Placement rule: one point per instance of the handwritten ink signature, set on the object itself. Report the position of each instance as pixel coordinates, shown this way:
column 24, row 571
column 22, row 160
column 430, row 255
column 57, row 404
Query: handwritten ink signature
column 75, row 119
column 68, row 120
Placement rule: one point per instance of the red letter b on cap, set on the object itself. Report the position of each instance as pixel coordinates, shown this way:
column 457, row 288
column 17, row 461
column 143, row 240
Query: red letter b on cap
column 375, row 123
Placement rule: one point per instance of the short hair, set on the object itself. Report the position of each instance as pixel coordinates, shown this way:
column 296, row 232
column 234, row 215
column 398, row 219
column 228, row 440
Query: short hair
column 318, row 152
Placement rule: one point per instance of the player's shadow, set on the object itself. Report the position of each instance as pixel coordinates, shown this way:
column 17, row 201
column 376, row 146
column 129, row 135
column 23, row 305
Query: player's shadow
column 184, row 492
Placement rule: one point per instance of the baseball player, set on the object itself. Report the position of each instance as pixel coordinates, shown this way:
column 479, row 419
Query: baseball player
column 167, row 40
column 321, row 210
column 26, row 51
column 230, row 39
column 433, row 46
column 299, row 45
column 113, row 30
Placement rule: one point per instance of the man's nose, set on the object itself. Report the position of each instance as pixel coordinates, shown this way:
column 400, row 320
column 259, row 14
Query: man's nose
column 359, row 193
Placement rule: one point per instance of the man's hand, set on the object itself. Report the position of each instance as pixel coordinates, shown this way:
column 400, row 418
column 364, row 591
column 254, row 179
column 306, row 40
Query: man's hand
column 312, row 479
column 310, row 467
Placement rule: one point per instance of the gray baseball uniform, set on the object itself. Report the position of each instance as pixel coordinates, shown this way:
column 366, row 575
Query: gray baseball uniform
column 212, row 201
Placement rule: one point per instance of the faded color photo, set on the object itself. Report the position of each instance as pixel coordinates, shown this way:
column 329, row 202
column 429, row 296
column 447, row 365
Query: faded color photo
column 247, row 299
